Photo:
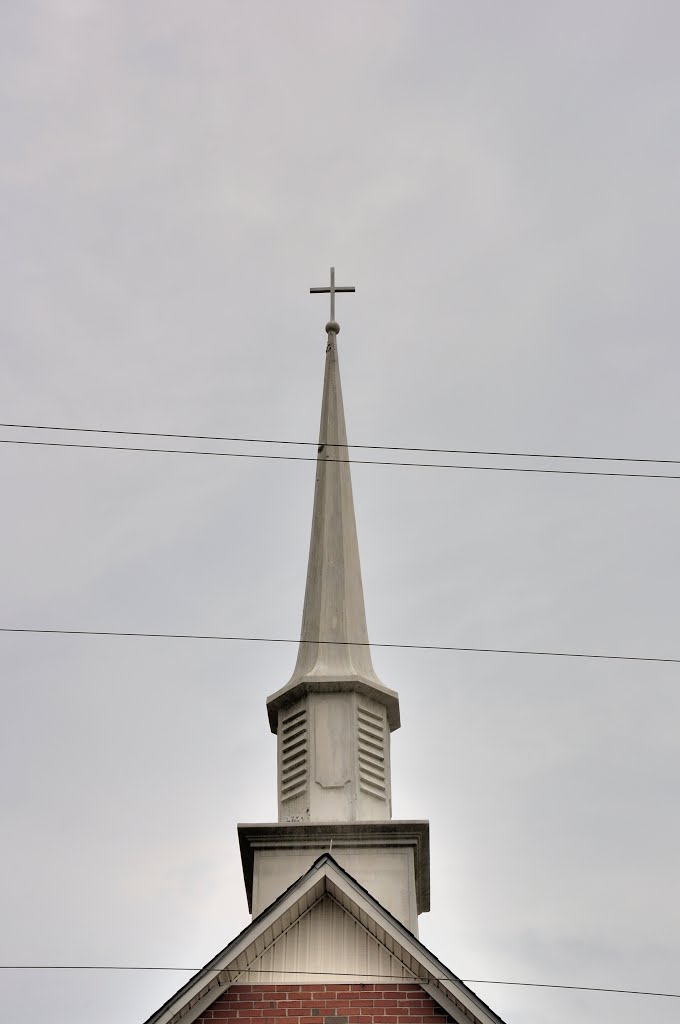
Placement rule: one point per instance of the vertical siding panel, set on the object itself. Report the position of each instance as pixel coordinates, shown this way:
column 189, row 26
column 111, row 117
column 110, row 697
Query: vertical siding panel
column 326, row 940
column 362, row 950
column 292, row 957
column 349, row 940
column 303, row 939
column 267, row 964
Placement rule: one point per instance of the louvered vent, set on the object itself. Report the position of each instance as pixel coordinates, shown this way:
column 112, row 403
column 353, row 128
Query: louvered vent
column 294, row 754
column 371, row 729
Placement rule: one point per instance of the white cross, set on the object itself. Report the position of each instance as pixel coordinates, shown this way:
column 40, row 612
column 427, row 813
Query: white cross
column 332, row 290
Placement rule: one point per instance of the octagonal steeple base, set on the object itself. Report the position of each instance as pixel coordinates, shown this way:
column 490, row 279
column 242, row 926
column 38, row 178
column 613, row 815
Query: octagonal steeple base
column 334, row 759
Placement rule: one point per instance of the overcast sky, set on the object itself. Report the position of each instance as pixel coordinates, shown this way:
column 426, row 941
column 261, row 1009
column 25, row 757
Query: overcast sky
column 501, row 182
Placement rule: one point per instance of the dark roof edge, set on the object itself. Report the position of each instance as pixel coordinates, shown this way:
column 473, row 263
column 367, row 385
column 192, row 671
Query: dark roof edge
column 237, row 938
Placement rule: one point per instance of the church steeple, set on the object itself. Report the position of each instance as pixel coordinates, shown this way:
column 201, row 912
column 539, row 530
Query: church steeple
column 334, row 718
column 352, row 721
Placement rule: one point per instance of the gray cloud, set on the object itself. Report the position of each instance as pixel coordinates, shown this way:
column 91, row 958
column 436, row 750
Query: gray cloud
column 501, row 184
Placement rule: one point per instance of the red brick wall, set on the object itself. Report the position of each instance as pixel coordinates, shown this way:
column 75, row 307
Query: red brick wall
column 392, row 1003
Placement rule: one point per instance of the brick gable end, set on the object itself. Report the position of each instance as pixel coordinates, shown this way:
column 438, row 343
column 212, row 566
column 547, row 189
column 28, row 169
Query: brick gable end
column 391, row 1003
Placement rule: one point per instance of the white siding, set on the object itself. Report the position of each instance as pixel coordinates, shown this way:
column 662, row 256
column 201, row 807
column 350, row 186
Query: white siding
column 326, row 942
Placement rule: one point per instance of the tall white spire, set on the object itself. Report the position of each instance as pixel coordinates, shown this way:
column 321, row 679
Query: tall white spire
column 334, row 654
column 334, row 717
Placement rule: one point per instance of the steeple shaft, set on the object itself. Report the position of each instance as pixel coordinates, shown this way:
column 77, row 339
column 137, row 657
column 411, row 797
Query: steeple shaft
column 334, row 655
column 334, row 597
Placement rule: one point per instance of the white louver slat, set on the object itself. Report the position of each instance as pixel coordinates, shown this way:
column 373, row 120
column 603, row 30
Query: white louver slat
column 371, row 742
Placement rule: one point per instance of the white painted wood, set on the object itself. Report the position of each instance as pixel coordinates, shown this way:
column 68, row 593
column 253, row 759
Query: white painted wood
column 334, row 654
column 387, row 871
column 327, row 941
column 334, row 760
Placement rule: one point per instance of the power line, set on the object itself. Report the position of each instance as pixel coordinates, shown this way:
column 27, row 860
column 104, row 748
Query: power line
column 371, row 447
column 360, row 462
column 336, row 974
column 340, row 643
column 574, row 988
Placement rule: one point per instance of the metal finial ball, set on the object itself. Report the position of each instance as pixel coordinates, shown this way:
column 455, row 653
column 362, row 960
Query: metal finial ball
column 332, row 327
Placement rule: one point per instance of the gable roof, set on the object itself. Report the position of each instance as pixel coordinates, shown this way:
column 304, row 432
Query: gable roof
column 403, row 956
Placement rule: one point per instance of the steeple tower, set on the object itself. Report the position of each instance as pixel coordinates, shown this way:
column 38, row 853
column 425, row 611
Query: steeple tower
column 334, row 717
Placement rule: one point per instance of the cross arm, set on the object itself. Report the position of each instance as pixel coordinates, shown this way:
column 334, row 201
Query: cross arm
column 337, row 288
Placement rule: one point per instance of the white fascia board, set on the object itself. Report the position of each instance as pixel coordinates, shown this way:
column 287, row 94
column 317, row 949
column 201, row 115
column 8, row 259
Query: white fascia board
column 204, row 1003
column 211, row 971
column 452, row 1008
column 412, row 947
